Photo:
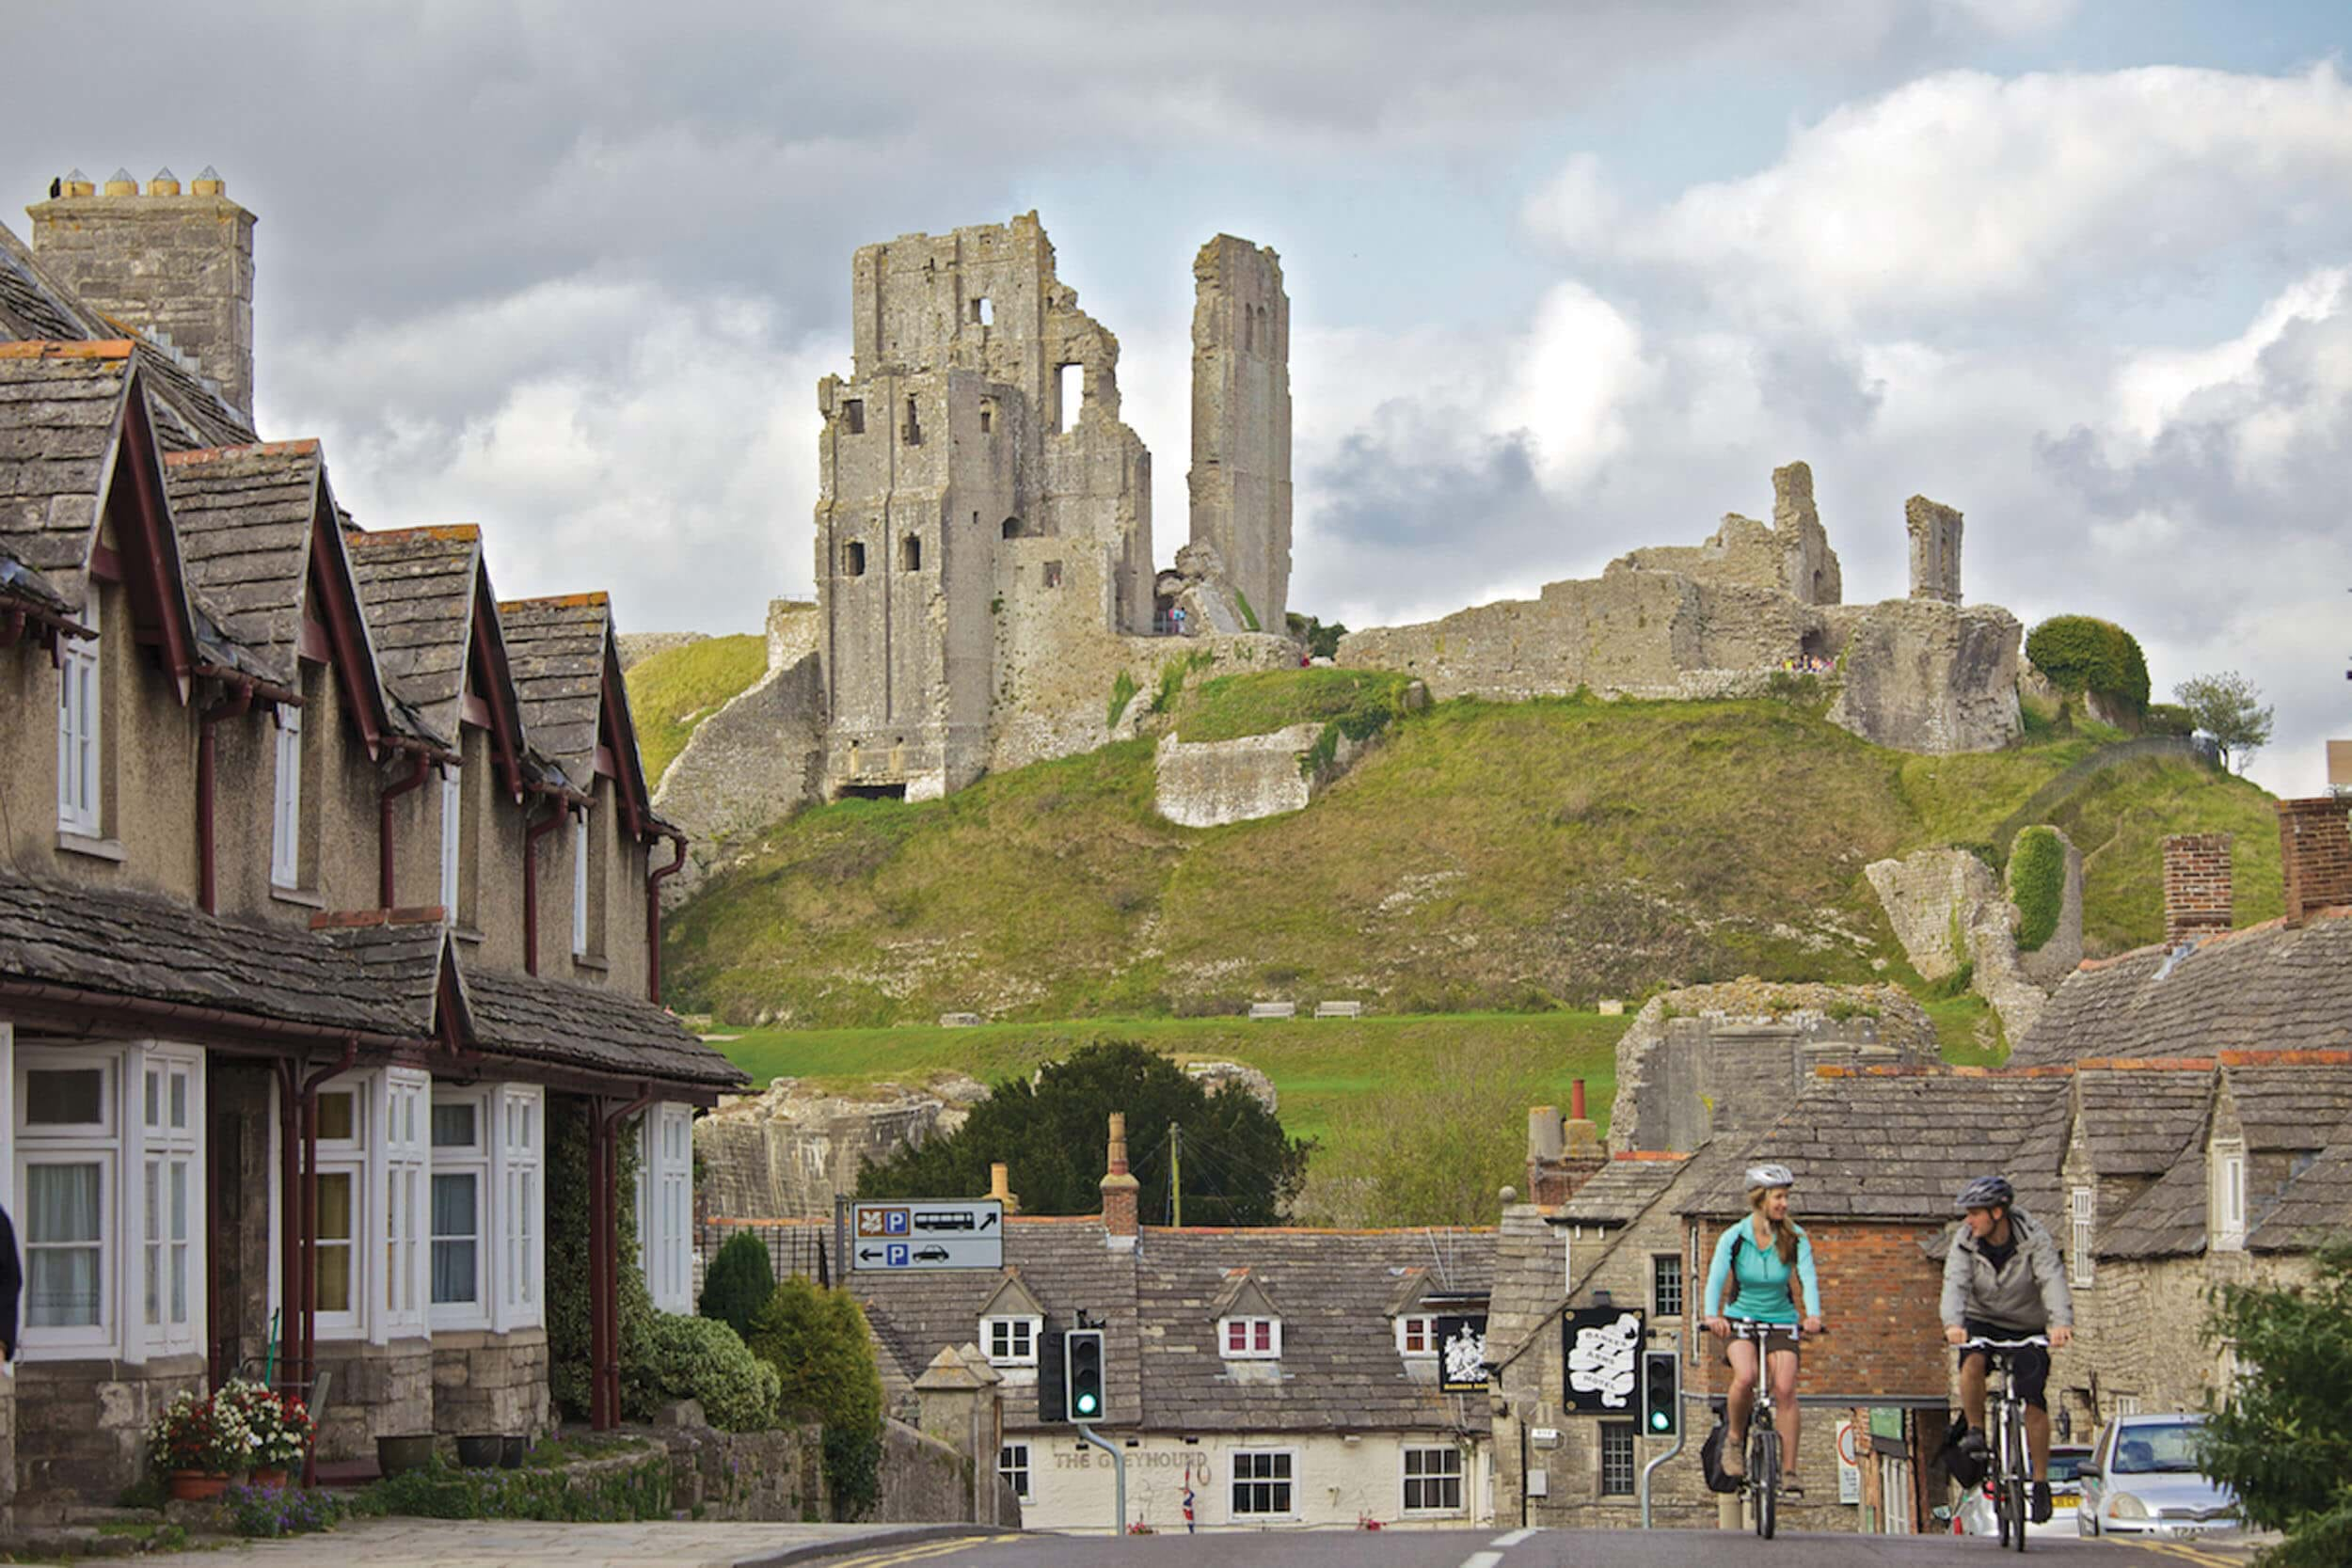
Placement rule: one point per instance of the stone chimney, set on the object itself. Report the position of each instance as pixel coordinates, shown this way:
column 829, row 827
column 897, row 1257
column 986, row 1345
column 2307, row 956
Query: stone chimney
column 1000, row 1188
column 176, row 268
column 1561, row 1156
column 2316, row 851
column 1119, row 1190
column 2196, row 886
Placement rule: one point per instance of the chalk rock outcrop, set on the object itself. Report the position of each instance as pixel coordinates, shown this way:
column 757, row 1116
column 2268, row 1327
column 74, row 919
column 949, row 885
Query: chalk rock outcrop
column 1208, row 783
column 784, row 1154
column 1219, row 1077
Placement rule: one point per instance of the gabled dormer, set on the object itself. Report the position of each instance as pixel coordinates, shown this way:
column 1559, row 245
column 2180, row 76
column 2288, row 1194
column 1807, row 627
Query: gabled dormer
column 1012, row 1323
column 1249, row 1326
column 2227, row 1185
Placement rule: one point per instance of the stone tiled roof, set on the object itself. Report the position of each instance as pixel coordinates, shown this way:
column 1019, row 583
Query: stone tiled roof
column 33, row 305
column 2268, row 988
column 245, row 515
column 2316, row 1206
column 587, row 1026
column 1340, row 1369
column 1617, row 1193
column 1527, row 1277
column 418, row 586
column 1064, row 1263
column 2166, row 1221
column 556, row 649
column 60, row 408
column 2300, row 1107
column 2137, row 1122
column 1864, row 1146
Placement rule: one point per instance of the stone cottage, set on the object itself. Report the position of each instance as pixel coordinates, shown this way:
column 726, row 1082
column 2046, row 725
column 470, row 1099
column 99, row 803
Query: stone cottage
column 328, row 918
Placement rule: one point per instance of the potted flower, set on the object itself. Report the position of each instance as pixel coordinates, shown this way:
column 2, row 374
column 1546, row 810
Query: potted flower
column 278, row 1430
column 200, row 1444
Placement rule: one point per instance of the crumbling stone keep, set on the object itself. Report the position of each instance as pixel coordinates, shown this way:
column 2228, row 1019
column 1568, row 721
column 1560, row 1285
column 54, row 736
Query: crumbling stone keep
column 1935, row 531
column 1241, row 420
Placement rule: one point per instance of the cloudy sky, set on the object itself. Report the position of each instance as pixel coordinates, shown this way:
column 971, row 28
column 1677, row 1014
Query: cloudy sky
column 1566, row 278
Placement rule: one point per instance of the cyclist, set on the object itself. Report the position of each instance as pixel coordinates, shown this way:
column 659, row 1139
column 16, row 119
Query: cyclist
column 1760, row 1256
column 2003, row 1280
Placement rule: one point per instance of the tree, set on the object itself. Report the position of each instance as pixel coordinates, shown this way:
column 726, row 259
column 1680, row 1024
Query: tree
column 739, row 1282
column 2230, row 708
column 2081, row 652
column 1239, row 1167
column 2282, row 1438
column 818, row 1341
column 1322, row 642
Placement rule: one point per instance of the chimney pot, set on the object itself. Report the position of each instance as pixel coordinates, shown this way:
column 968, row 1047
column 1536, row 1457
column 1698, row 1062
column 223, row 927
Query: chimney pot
column 121, row 183
column 164, row 184
column 1120, row 1191
column 1576, row 1100
column 208, row 183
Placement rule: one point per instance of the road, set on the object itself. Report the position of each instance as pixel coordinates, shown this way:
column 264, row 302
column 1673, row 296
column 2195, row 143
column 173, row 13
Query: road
column 1516, row 1549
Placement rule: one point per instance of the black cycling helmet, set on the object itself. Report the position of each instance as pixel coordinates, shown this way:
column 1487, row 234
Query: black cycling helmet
column 1986, row 1191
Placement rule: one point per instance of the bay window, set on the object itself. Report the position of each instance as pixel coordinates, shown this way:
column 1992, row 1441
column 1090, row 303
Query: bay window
column 486, row 1200
column 460, row 1170
column 408, row 1157
column 665, row 1206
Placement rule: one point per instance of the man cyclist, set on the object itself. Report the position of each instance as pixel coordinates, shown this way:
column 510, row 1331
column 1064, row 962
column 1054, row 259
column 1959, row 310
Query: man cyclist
column 2003, row 1280
column 1759, row 1258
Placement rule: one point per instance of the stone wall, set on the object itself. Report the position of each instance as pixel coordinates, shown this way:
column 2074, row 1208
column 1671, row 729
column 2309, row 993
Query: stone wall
column 90, row 1418
column 1240, row 478
column 491, row 1383
column 784, row 1154
column 754, row 762
column 1731, row 1057
column 756, row 1477
column 1925, row 675
column 924, row 1480
column 378, row 1391
column 2140, row 1329
column 1946, row 908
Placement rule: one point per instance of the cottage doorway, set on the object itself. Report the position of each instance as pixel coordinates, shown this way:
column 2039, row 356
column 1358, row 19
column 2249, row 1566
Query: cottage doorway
column 223, row 1199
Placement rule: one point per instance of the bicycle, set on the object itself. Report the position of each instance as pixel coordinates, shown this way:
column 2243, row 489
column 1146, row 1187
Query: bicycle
column 2012, row 1463
column 1762, row 1481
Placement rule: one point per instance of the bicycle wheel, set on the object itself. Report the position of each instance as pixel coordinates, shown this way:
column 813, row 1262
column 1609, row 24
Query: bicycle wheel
column 1766, row 1473
column 2017, row 1471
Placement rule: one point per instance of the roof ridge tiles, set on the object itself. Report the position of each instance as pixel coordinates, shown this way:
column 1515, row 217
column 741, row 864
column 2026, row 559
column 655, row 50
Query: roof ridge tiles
column 57, row 348
column 563, row 601
column 452, row 532
column 302, row 447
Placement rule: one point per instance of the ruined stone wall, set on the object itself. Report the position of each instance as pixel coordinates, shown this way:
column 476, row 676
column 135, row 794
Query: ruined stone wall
column 1209, row 784
column 1934, row 533
column 1791, row 556
column 758, row 759
column 784, row 1154
column 635, row 647
column 1926, row 675
column 1241, row 420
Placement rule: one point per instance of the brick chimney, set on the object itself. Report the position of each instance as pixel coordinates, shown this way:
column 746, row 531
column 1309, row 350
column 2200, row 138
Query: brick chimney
column 2316, row 851
column 178, row 268
column 2196, row 886
column 1119, row 1189
column 1561, row 1156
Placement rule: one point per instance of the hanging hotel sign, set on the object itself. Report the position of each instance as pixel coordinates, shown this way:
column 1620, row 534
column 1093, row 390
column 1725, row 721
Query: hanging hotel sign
column 1602, row 1348
column 1461, row 1355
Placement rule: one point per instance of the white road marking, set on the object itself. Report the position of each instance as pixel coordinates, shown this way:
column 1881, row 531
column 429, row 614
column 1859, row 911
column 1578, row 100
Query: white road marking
column 1482, row 1560
column 1517, row 1536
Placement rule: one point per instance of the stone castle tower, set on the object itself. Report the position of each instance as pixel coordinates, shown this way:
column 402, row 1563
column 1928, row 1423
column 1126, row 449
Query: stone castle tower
column 984, row 562
column 1241, row 420
column 176, row 267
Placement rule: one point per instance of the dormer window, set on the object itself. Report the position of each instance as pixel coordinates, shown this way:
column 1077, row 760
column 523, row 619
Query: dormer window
column 1416, row 1334
column 2228, row 1198
column 81, row 795
column 1011, row 1341
column 1250, row 1339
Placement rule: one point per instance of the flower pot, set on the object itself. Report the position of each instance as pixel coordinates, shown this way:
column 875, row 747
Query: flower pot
column 511, row 1452
column 196, row 1486
column 480, row 1452
column 398, row 1455
column 272, row 1478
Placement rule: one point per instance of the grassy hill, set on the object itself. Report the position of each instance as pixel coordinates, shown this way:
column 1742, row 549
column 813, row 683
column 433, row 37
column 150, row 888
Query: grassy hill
column 1487, row 857
column 672, row 691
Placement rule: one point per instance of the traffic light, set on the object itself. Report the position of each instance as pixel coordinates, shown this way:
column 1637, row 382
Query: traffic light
column 1082, row 1373
column 1661, row 1392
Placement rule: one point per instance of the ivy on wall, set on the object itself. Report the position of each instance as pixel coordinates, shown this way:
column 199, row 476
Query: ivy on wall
column 2037, row 885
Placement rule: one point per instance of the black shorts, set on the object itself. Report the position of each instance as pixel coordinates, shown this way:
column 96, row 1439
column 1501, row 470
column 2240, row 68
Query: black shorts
column 1779, row 1339
column 2028, row 1367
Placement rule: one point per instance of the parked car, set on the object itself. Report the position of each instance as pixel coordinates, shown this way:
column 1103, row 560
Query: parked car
column 2143, row 1480
column 2066, row 1462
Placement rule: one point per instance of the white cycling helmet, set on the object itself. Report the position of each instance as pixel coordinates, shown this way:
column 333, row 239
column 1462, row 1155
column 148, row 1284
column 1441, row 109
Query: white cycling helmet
column 1771, row 1176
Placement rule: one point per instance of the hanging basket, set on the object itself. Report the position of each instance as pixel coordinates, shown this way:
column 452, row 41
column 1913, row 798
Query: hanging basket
column 196, row 1486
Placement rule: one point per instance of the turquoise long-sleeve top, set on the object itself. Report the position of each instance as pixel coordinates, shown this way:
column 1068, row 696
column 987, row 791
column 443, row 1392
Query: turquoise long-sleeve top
column 1761, row 1277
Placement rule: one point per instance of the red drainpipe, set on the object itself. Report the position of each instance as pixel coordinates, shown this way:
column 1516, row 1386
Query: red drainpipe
column 311, row 1232
column 232, row 702
column 531, row 835
column 653, row 919
column 384, row 829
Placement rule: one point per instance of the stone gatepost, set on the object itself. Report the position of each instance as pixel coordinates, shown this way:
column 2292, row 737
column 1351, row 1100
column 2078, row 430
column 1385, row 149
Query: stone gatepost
column 963, row 1407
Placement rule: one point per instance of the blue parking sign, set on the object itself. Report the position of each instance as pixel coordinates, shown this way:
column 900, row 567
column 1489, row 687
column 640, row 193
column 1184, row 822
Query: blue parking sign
column 894, row 1221
column 897, row 1259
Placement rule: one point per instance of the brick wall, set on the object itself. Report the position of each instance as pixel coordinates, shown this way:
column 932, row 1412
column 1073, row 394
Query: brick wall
column 2197, row 884
column 1878, row 1297
column 2316, row 849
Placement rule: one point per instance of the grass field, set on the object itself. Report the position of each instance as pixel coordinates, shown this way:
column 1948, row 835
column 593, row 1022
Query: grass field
column 672, row 691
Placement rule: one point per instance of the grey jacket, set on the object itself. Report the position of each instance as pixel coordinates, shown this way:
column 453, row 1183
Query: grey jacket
column 2029, row 1293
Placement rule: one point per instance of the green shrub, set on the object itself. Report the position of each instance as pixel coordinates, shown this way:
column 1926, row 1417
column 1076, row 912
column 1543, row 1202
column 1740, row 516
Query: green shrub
column 739, row 1284
column 817, row 1343
column 2168, row 719
column 2080, row 653
column 699, row 1359
column 440, row 1491
column 1123, row 692
column 2037, row 885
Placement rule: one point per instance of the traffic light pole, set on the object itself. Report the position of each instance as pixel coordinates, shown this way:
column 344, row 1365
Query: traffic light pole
column 1682, row 1434
column 1119, row 1473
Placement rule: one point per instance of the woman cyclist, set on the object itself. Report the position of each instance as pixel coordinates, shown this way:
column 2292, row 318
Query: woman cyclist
column 1759, row 1255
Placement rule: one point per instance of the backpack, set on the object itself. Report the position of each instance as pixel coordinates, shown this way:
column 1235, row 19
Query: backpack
column 1711, row 1459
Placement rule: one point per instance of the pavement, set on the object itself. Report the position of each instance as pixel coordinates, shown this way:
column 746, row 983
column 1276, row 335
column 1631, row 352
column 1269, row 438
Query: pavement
column 405, row 1542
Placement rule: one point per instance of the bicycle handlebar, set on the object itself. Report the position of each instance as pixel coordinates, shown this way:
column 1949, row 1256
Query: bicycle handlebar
column 1753, row 1328
column 2033, row 1341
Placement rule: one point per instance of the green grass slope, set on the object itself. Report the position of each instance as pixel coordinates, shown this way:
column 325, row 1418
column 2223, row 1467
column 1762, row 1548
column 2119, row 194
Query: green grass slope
column 672, row 691
column 1487, row 857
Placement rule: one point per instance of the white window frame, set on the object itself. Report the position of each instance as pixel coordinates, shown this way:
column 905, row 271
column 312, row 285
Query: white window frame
column 2229, row 1194
column 517, row 1226
column 407, row 1160
column 350, row 1158
column 2082, row 1211
column 81, row 739
column 579, row 885
column 1012, row 1463
column 1010, row 1327
column 666, row 1204
column 1251, row 1350
column 1235, row 1481
column 285, row 838
column 1412, row 1327
column 1451, row 1467
column 1658, row 1261
column 452, row 820
column 170, row 1238
column 472, row 1159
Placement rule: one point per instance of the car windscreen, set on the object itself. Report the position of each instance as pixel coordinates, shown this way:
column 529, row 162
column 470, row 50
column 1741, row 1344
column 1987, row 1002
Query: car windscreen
column 2147, row 1450
column 2069, row 1466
